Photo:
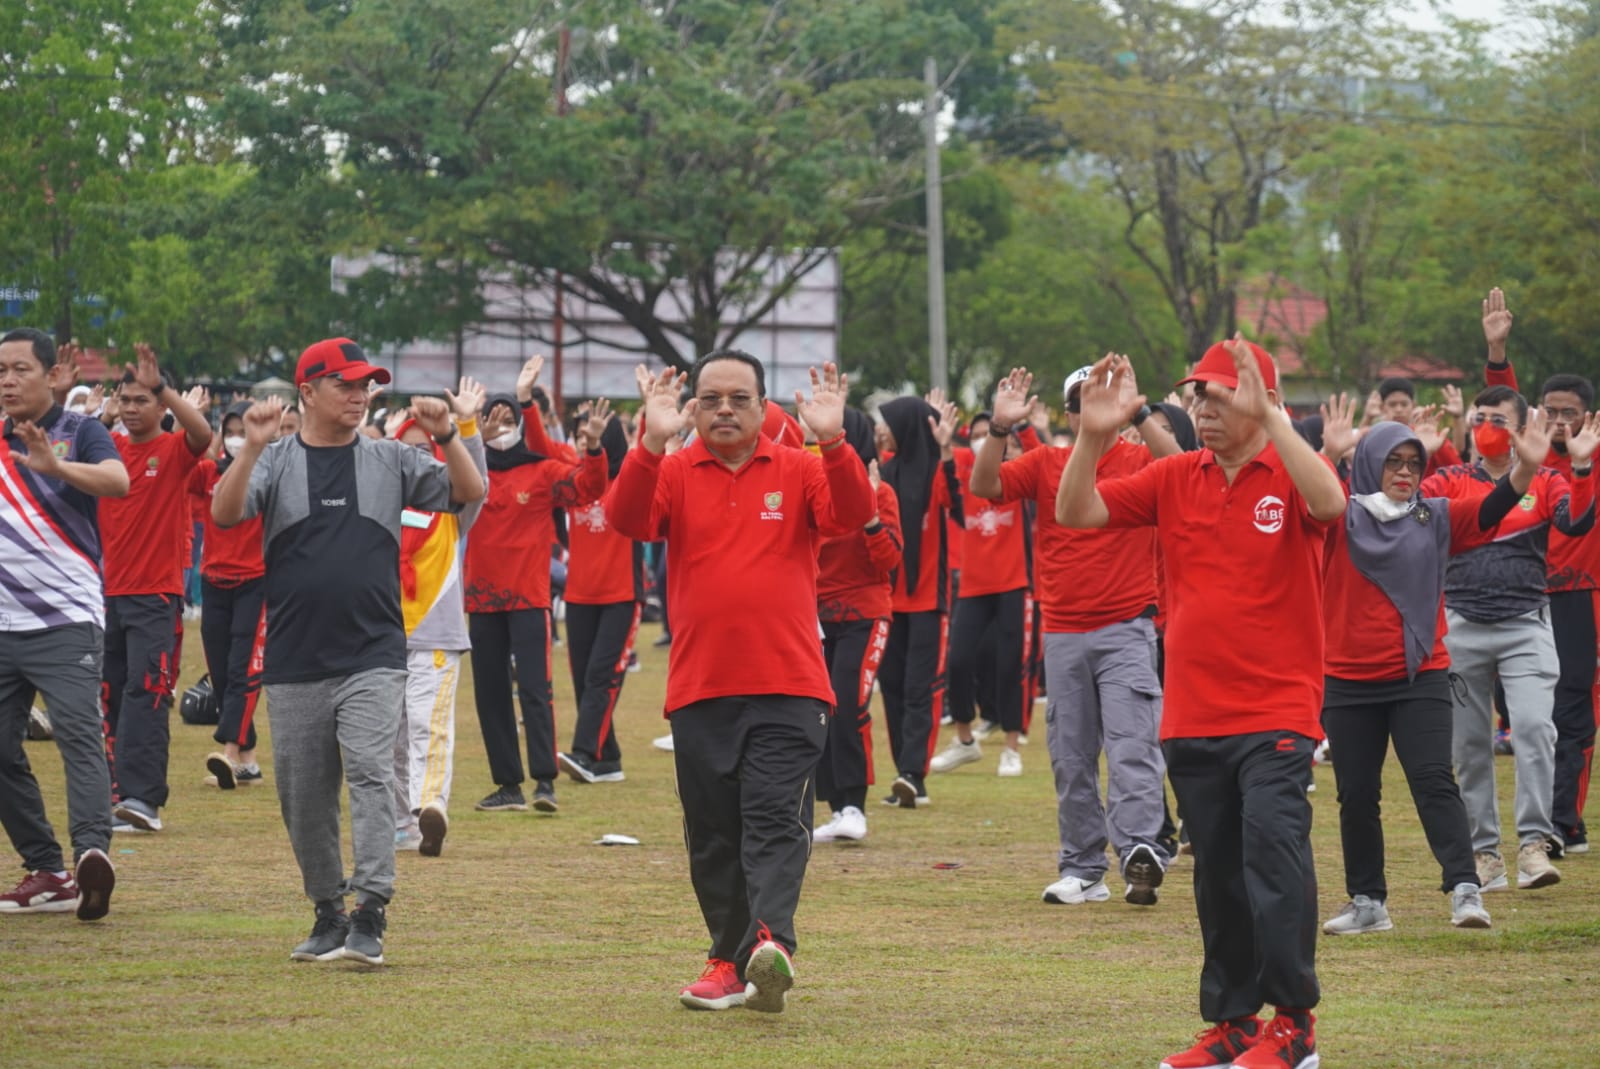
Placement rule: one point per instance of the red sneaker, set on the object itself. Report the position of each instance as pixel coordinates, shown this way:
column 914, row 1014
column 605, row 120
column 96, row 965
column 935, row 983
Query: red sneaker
column 1218, row 1046
column 719, row 987
column 771, row 975
column 41, row 892
column 1283, row 1045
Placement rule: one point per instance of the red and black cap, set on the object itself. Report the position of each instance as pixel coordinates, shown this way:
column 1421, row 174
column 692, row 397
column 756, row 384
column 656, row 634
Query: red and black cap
column 337, row 356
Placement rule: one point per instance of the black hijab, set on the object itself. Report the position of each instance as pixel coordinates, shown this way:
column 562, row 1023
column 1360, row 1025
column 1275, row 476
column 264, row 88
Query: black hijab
column 517, row 455
column 1182, row 426
column 858, row 435
column 1404, row 557
column 910, row 473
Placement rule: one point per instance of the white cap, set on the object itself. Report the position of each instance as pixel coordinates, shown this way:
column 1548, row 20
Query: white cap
column 1077, row 377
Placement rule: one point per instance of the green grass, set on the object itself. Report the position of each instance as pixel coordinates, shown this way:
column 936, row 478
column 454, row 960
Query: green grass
column 527, row 945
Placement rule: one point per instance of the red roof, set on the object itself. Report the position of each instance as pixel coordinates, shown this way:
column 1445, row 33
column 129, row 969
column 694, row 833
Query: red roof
column 1425, row 368
column 1286, row 316
column 93, row 366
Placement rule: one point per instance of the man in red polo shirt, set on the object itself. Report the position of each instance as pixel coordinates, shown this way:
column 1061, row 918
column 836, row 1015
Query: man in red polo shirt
column 146, row 548
column 1240, row 525
column 748, row 718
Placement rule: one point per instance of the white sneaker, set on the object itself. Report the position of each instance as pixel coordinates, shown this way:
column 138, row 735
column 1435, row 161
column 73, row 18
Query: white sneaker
column 983, row 729
column 955, row 755
column 1074, row 891
column 1010, row 763
column 849, row 823
column 39, row 729
column 1466, row 907
column 664, row 743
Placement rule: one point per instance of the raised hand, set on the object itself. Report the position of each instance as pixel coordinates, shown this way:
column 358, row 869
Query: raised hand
column 67, row 360
column 467, row 401
column 393, row 421
column 663, row 419
column 824, row 412
column 95, row 401
column 874, row 478
column 1012, row 401
column 1425, row 423
column 261, row 422
column 1532, row 443
column 1374, row 410
column 1249, row 398
column 432, row 415
column 944, row 427
column 1496, row 321
column 198, row 398
column 528, row 378
column 1582, row 445
column 1454, row 406
column 1101, row 406
column 593, row 426
column 1339, row 433
column 41, row 458
column 146, row 372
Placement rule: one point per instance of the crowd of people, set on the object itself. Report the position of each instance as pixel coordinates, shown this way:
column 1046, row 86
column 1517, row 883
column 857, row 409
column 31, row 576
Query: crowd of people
column 1200, row 591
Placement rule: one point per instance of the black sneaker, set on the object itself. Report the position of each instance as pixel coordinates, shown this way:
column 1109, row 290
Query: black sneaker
column 365, row 941
column 434, row 824
column 245, row 776
column 222, row 768
column 1142, row 872
column 664, row 640
column 544, row 797
column 504, row 798
column 909, row 791
column 577, row 766
column 326, row 941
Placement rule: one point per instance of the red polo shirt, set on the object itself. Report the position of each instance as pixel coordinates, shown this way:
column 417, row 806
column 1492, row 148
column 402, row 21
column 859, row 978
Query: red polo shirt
column 741, row 561
column 855, row 572
column 1244, row 584
column 1085, row 580
column 147, row 534
column 228, row 555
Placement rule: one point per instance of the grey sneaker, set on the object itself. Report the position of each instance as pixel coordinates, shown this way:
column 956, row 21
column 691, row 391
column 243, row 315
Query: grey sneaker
column 1534, row 868
column 1360, row 914
column 1466, row 907
column 503, row 798
column 326, row 941
column 365, row 941
column 1491, row 871
column 1142, row 872
column 137, row 814
column 544, row 797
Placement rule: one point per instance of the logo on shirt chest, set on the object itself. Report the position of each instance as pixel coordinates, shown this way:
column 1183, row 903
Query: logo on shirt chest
column 61, row 449
column 1269, row 515
column 772, row 505
column 593, row 517
column 523, row 497
column 150, row 467
column 1526, row 504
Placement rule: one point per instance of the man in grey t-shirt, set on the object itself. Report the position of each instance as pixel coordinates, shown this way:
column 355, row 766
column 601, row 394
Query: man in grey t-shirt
column 332, row 502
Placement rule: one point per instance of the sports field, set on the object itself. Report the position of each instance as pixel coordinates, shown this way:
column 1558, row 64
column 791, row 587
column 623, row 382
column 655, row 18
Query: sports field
column 926, row 945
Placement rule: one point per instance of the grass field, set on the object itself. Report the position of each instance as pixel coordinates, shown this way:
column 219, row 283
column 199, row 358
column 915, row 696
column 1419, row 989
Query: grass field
column 526, row 945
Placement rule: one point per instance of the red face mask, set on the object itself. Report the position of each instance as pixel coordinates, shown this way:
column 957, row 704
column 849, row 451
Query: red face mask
column 1491, row 441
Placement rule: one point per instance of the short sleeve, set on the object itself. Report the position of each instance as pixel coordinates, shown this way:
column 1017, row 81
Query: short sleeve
column 258, row 495
column 1132, row 501
column 92, row 443
column 1019, row 478
column 425, row 482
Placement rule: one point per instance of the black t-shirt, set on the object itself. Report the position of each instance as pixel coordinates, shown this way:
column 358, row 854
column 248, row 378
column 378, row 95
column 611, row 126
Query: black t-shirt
column 333, row 583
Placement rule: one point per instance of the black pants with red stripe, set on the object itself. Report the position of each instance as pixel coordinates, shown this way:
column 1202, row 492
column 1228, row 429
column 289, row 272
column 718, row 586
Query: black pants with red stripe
column 989, row 647
column 1244, row 803
column 913, row 682
column 232, row 629
column 745, row 768
column 497, row 639
column 1572, row 619
column 854, row 652
column 599, row 639
column 139, row 672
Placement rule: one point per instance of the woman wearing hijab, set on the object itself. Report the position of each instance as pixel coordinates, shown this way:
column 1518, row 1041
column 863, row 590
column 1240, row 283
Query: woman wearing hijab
column 233, row 627
column 605, row 590
column 508, row 588
column 1387, row 669
column 922, row 474
column 855, row 600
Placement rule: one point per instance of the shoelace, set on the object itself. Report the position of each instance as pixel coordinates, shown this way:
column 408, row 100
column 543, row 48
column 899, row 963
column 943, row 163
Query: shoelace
column 1279, row 1033
column 763, row 933
column 715, row 967
column 327, row 923
column 367, row 922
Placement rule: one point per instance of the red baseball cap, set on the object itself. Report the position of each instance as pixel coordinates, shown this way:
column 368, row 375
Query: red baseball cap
column 337, row 356
column 1217, row 366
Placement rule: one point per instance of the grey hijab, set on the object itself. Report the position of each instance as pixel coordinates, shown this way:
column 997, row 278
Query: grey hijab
column 1402, row 549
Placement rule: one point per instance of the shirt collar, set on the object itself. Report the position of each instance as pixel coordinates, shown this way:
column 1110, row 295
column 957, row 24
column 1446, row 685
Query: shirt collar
column 699, row 453
column 1267, row 458
column 45, row 422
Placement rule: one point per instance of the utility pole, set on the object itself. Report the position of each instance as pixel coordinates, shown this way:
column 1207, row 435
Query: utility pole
column 938, row 359
column 558, row 325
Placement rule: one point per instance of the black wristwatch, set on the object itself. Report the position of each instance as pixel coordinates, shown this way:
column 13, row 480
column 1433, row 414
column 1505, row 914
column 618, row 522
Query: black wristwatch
column 1141, row 415
column 445, row 440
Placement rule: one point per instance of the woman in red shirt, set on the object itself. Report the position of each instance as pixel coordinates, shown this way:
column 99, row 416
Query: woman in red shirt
column 1387, row 670
column 605, row 584
column 233, row 622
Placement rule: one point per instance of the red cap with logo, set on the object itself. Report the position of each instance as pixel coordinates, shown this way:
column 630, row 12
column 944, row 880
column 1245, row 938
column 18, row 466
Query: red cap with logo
column 1217, row 367
column 337, row 356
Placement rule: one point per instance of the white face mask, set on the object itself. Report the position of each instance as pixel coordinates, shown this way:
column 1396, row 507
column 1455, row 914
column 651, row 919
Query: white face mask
column 504, row 441
column 978, row 440
column 233, row 445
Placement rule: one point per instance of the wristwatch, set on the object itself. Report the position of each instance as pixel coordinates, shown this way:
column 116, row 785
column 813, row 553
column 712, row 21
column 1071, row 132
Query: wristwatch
column 444, row 439
column 1141, row 415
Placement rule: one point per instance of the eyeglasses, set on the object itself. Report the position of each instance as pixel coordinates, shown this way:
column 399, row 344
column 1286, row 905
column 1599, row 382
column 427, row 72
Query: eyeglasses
column 1563, row 415
column 1480, row 418
column 736, row 401
column 1414, row 465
